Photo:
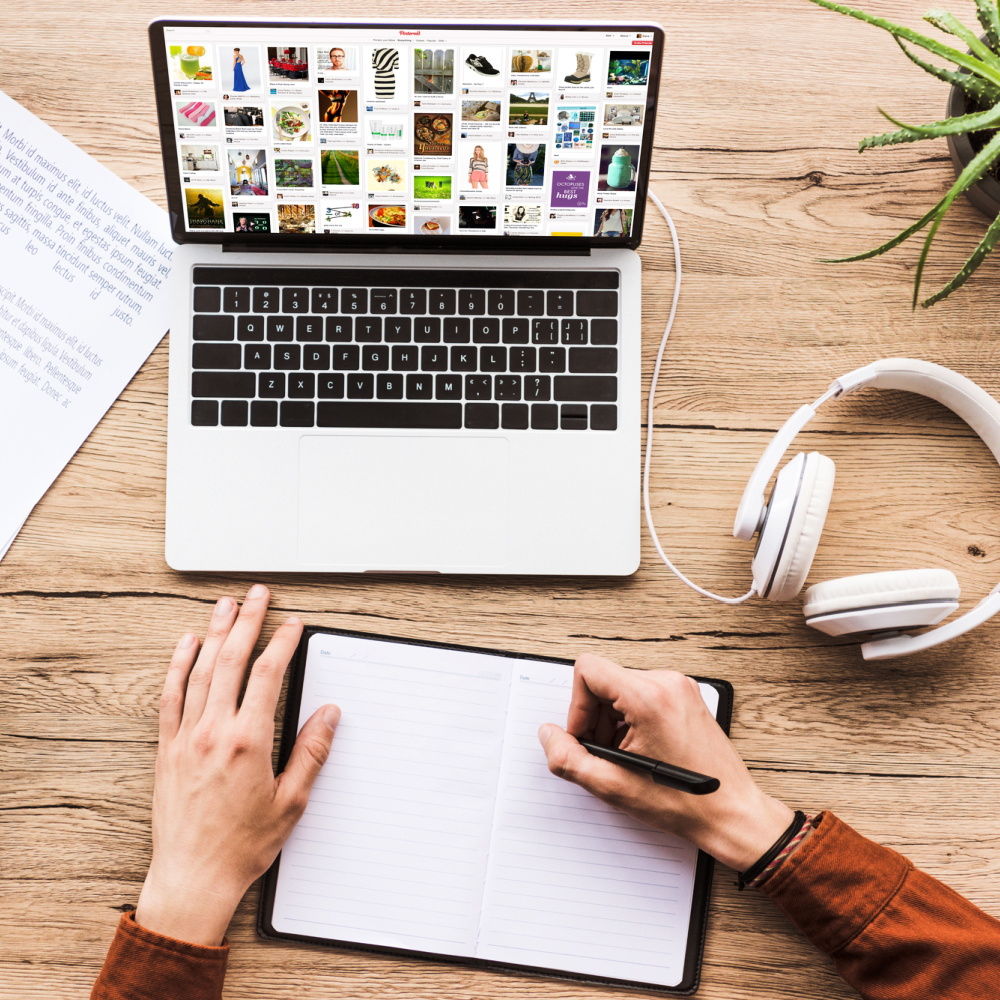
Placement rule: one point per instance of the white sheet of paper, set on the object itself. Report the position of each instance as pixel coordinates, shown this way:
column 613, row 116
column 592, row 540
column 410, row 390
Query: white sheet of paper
column 85, row 264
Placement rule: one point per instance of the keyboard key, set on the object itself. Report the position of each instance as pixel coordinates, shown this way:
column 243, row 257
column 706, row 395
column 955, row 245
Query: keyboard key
column 390, row 386
column 544, row 417
column 354, row 300
column 552, row 359
column 456, row 330
column 514, row 416
column 383, row 301
column 302, row 385
column 516, row 330
column 360, row 386
column 294, row 300
column 464, row 359
column 427, row 330
column 324, row 300
column 368, row 329
column 507, row 387
column 250, row 328
column 271, row 385
column 531, row 303
column 559, row 302
column 573, row 417
column 288, row 358
column 223, row 385
column 482, row 416
column 434, row 359
column 236, row 300
column 219, row 327
column 596, row 302
column 263, row 413
column 585, row 389
column 478, row 387
column 216, row 356
column 538, row 388
column 604, row 417
column 412, row 301
column 280, row 328
column 405, row 359
column 604, row 331
column 441, row 301
column 521, row 359
column 297, row 414
column 593, row 359
column 375, row 358
column 493, row 359
column 500, row 302
column 234, row 413
column 266, row 300
column 472, row 301
column 486, row 330
column 347, row 358
column 207, row 300
column 316, row 359
column 397, row 331
column 545, row 331
column 422, row 415
column 574, row 331
column 330, row 386
column 204, row 413
column 448, row 387
column 309, row 328
column 420, row 386
column 257, row 357
column 339, row 329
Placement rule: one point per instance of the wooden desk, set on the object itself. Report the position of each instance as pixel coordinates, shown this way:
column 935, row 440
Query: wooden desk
column 761, row 109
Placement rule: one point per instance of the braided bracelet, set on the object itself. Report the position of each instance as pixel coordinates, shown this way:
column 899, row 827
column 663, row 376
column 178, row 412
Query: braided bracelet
column 758, row 872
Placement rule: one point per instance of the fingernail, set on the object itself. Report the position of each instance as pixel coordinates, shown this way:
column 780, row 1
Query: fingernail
column 544, row 732
column 257, row 590
column 293, row 620
column 331, row 717
column 224, row 606
column 187, row 641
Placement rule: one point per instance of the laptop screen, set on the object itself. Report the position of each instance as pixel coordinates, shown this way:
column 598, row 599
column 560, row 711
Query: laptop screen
column 292, row 133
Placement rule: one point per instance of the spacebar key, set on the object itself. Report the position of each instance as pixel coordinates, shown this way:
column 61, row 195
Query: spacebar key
column 364, row 414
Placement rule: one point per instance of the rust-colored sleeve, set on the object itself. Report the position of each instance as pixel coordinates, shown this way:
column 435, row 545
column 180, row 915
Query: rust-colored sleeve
column 143, row 965
column 893, row 932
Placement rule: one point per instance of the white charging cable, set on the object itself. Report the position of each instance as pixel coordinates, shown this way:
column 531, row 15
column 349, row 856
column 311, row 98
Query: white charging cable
column 649, row 421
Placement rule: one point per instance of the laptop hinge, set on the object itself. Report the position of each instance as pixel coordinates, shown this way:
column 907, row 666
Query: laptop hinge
column 395, row 248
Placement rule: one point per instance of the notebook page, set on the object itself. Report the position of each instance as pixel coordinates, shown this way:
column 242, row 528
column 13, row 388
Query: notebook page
column 392, row 847
column 573, row 885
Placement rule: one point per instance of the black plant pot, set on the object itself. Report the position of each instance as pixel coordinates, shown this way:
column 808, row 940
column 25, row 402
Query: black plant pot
column 985, row 195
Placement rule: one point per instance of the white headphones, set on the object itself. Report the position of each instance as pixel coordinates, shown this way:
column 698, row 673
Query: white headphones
column 872, row 608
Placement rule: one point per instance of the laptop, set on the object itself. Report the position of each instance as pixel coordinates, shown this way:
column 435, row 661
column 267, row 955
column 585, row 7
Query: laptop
column 405, row 323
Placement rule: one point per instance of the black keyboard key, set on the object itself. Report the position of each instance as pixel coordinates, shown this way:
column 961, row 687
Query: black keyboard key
column 250, row 328
column 339, row 329
column 538, row 388
column 507, row 387
column 204, row 413
column 585, row 389
column 347, row 358
column 309, row 328
column 591, row 360
column 427, row 330
column 574, row 331
column 271, row 385
column 417, row 414
column 522, row 359
column 223, row 385
column 234, row 413
column 514, row 416
column 207, row 300
column 354, row 300
column 412, row 301
column 288, row 358
column 573, row 417
column 294, row 300
column 216, row 356
column 383, row 301
column 263, row 413
column 464, row 359
column 486, row 330
column 595, row 302
column 390, row 386
column 368, row 329
column 604, row 332
column 301, row 385
column 559, row 303
column 397, row 331
column 330, row 386
column 552, row 359
column 280, row 328
column 544, row 417
column 456, row 330
column 441, row 302
column 472, row 301
column 434, row 359
column 531, row 303
column 298, row 413
column 482, row 416
column 545, row 331
column 375, row 358
column 405, row 359
column 324, row 300
column 501, row 302
column 478, row 387
column 493, row 359
column 266, row 300
column 361, row 385
column 236, row 300
column 218, row 327
column 257, row 357
column 448, row 387
column 316, row 359
column 420, row 386
column 604, row 417
column 516, row 330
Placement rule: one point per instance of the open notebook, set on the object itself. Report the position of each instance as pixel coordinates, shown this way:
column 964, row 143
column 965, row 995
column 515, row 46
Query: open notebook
column 436, row 828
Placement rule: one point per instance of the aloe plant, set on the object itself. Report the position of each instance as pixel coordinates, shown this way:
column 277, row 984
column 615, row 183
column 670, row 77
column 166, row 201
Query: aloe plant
column 978, row 76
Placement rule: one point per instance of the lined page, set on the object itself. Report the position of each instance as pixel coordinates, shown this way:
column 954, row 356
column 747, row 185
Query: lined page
column 573, row 885
column 392, row 847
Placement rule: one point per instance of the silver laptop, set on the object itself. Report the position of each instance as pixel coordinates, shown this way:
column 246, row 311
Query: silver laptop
column 405, row 331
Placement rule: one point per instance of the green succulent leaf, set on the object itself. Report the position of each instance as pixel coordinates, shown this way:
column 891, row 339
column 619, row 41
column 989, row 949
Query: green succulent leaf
column 894, row 242
column 975, row 169
column 976, row 87
column 944, row 21
column 959, row 58
column 989, row 241
column 989, row 18
column 950, row 126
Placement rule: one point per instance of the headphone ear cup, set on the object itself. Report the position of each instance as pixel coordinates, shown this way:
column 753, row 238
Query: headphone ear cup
column 793, row 525
column 881, row 602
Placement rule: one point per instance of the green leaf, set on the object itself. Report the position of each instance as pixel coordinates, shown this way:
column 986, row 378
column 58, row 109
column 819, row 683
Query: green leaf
column 894, row 242
column 950, row 126
column 973, row 171
column 944, row 21
column 989, row 18
column 987, row 243
column 959, row 58
column 976, row 87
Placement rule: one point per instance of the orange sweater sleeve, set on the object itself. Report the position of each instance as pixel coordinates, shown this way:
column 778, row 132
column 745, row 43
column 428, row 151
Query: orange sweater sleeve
column 893, row 932
column 143, row 965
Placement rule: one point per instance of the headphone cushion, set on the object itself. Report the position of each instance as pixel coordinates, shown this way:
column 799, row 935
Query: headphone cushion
column 902, row 586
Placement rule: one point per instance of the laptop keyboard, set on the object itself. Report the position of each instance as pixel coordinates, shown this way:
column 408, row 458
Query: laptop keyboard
column 324, row 347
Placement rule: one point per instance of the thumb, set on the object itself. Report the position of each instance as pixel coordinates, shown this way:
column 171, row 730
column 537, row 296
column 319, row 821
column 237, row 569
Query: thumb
column 312, row 747
column 568, row 760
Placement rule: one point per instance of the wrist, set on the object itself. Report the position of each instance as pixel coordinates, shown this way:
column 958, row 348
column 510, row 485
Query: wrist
column 748, row 831
column 185, row 913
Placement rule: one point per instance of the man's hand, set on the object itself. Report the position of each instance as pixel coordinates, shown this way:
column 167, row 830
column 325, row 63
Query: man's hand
column 219, row 814
column 667, row 719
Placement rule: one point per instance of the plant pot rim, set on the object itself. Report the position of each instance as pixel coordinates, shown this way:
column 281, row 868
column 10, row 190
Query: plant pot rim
column 985, row 193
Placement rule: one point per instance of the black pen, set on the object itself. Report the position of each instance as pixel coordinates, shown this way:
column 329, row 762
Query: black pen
column 663, row 774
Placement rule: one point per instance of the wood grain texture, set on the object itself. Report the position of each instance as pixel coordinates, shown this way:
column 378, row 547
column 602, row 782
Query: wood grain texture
column 761, row 109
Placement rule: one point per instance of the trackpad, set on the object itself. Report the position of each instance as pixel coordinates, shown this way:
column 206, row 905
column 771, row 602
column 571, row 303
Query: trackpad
column 371, row 502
